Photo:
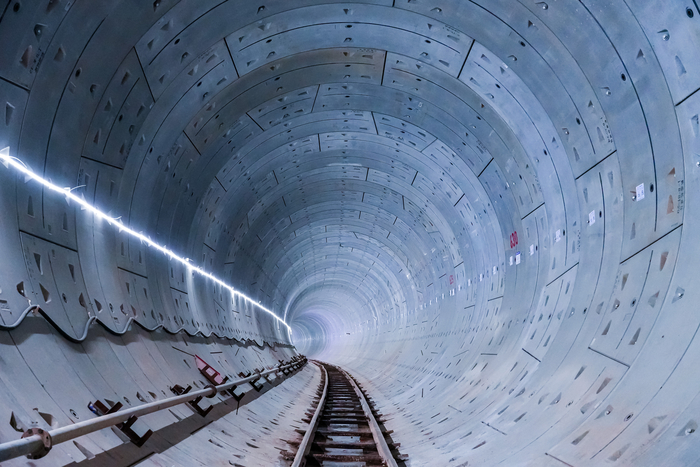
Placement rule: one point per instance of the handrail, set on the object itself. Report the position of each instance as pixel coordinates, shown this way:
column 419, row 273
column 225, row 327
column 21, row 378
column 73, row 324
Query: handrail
column 305, row 445
column 36, row 443
column 379, row 440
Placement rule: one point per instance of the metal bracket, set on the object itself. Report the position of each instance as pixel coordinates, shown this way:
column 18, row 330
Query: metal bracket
column 257, row 388
column 252, row 383
column 128, row 431
column 284, row 371
column 45, row 437
column 179, row 390
column 232, row 391
column 99, row 409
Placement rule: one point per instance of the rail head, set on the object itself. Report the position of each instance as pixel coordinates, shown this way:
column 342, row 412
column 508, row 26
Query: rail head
column 379, row 440
column 305, row 446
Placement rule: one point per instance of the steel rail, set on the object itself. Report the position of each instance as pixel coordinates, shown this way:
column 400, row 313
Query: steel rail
column 305, row 446
column 379, row 440
column 35, row 443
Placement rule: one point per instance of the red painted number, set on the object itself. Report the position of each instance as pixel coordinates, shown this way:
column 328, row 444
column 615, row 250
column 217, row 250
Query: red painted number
column 514, row 239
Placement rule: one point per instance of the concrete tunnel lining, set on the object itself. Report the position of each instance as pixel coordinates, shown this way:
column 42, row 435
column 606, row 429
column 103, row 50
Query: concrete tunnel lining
column 475, row 207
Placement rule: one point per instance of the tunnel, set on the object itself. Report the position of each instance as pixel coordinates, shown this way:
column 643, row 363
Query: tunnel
column 474, row 207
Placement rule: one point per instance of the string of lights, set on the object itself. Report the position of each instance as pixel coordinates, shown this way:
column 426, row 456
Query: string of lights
column 21, row 167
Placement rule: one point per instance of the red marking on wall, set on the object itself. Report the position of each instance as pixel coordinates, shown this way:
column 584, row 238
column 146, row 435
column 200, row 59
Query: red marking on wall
column 514, row 239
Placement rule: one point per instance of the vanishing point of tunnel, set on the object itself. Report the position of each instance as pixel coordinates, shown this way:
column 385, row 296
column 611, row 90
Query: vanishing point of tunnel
column 485, row 211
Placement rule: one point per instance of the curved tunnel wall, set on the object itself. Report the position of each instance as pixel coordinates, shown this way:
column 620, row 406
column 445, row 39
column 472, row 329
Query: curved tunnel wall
column 476, row 207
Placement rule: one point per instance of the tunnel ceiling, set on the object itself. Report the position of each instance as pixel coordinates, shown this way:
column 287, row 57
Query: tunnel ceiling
column 506, row 178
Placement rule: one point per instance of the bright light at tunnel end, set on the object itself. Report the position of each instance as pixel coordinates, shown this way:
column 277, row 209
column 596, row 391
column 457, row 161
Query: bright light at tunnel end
column 17, row 164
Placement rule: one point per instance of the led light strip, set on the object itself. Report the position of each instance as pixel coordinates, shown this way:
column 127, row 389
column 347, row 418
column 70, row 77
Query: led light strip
column 7, row 160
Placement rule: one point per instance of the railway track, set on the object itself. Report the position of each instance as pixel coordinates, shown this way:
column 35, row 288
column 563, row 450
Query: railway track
column 343, row 430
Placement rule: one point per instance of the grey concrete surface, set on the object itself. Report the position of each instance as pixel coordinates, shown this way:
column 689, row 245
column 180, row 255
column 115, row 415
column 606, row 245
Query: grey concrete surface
column 484, row 210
